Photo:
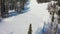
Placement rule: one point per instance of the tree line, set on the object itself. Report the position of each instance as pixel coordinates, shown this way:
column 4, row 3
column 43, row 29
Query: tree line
column 6, row 5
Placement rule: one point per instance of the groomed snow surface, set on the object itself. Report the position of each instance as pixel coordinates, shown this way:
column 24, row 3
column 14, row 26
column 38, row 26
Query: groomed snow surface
column 19, row 24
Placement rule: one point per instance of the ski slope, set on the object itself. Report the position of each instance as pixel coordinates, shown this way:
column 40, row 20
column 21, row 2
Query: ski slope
column 19, row 24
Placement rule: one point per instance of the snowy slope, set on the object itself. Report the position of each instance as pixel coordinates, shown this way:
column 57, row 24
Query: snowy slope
column 19, row 24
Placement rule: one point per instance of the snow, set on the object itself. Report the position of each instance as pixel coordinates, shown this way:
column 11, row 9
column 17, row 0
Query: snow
column 19, row 24
column 11, row 11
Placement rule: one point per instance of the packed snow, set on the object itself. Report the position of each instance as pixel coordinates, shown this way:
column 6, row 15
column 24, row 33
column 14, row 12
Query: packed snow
column 37, row 15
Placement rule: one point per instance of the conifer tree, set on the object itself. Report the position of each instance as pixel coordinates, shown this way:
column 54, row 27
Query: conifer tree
column 2, row 8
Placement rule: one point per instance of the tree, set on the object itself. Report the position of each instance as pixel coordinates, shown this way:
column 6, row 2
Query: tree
column 30, row 29
column 53, row 24
column 58, row 2
column 2, row 8
column 41, row 1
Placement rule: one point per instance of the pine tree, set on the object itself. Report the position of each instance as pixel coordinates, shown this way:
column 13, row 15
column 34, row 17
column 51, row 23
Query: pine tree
column 53, row 27
column 58, row 2
column 2, row 8
column 41, row 1
column 30, row 29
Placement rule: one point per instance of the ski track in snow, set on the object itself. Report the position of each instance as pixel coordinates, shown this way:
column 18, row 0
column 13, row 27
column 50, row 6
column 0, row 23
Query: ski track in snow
column 19, row 24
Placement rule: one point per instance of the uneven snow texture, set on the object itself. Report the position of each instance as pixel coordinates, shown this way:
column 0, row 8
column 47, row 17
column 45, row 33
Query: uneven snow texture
column 19, row 24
